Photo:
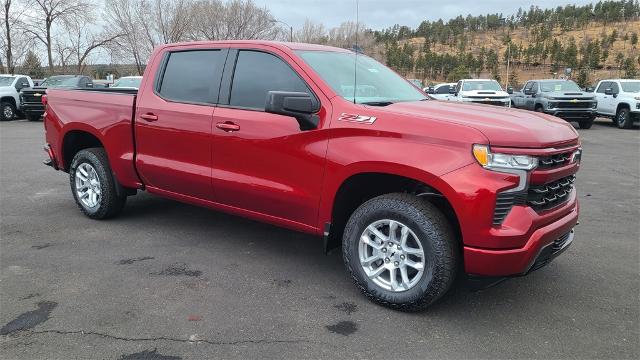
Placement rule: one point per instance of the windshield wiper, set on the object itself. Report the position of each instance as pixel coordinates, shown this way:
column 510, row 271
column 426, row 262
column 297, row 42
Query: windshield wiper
column 377, row 103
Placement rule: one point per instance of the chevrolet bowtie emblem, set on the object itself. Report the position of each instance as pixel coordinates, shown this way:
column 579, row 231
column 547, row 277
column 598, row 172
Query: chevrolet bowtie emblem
column 37, row 94
column 574, row 100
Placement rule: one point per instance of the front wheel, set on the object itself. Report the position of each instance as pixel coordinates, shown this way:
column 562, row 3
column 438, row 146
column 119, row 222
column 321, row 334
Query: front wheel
column 623, row 119
column 400, row 251
column 586, row 123
column 93, row 185
column 7, row 111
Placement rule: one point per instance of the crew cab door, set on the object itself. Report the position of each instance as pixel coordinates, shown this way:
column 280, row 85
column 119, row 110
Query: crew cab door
column 173, row 121
column 262, row 162
column 605, row 102
column 530, row 100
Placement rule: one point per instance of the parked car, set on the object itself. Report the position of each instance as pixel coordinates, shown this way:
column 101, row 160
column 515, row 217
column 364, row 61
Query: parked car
column 128, row 82
column 441, row 91
column 412, row 190
column 561, row 98
column 31, row 97
column 481, row 91
column 10, row 86
column 619, row 99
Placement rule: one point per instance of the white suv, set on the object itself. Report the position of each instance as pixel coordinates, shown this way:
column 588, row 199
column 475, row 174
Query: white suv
column 10, row 86
column 619, row 99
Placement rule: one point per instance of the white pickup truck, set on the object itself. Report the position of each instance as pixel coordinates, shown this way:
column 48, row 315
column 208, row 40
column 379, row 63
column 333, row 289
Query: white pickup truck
column 619, row 99
column 10, row 86
column 481, row 91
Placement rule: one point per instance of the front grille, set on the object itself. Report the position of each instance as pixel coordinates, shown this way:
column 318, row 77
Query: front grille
column 496, row 103
column 504, row 203
column 574, row 105
column 29, row 97
column 553, row 161
column 548, row 196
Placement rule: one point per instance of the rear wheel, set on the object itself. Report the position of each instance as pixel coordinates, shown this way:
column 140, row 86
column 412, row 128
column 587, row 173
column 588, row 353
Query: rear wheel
column 623, row 118
column 7, row 111
column 401, row 251
column 93, row 185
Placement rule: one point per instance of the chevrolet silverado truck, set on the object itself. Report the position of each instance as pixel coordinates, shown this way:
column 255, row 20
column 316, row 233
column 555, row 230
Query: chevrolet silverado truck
column 619, row 99
column 561, row 98
column 481, row 91
column 31, row 98
column 414, row 191
column 10, row 86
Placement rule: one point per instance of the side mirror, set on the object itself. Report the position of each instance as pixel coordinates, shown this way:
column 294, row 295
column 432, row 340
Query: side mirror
column 299, row 105
column 589, row 89
column 429, row 90
column 510, row 90
column 452, row 90
column 527, row 92
column 608, row 91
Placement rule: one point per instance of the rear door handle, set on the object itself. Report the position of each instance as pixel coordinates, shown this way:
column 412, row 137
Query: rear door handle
column 149, row 117
column 228, row 126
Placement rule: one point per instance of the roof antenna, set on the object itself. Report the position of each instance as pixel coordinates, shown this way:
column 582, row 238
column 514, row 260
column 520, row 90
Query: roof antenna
column 356, row 50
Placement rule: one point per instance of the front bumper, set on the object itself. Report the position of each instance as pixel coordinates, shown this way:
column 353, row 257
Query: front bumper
column 541, row 248
column 570, row 114
column 32, row 108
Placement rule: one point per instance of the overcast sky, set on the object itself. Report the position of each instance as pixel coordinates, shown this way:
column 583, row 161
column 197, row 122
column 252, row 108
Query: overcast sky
column 378, row 14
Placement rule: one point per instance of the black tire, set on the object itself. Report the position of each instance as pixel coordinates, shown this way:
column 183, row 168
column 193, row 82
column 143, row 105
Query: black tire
column 109, row 203
column 586, row 123
column 623, row 118
column 32, row 117
column 435, row 235
column 7, row 111
column 538, row 108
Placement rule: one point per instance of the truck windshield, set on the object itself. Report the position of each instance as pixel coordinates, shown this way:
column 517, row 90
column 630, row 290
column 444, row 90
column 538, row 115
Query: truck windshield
column 6, row 80
column 490, row 85
column 560, row 85
column 60, row 81
column 630, row 86
column 376, row 83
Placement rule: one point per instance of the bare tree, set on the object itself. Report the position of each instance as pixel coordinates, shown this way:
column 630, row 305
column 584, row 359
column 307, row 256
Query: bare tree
column 314, row 33
column 123, row 18
column 13, row 42
column 83, row 42
column 47, row 13
column 235, row 19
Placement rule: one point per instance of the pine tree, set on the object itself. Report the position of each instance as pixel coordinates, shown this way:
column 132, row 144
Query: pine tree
column 32, row 66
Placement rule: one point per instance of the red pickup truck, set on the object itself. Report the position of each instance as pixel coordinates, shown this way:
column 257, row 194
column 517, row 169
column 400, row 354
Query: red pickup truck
column 329, row 142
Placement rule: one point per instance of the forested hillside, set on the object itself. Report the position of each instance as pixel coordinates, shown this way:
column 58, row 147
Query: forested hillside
column 595, row 41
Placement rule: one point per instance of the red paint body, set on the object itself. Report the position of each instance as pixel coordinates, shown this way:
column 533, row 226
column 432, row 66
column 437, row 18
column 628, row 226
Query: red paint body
column 266, row 168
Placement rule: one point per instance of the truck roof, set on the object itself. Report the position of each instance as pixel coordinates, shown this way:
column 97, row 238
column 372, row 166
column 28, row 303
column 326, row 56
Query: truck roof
column 276, row 44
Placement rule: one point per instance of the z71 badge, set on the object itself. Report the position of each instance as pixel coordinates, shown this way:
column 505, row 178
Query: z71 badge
column 357, row 118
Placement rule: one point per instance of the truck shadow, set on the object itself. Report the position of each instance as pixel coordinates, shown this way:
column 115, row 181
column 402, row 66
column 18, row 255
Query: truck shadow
column 209, row 229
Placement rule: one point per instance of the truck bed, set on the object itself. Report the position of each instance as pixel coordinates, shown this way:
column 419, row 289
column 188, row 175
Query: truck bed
column 109, row 112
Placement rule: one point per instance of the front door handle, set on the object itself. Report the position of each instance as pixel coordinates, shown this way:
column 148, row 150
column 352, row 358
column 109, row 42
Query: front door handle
column 228, row 126
column 149, row 117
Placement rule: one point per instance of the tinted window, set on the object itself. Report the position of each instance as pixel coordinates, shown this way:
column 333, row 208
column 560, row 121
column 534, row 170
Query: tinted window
column 603, row 85
column 21, row 81
column 444, row 89
column 193, row 76
column 614, row 87
column 528, row 85
column 534, row 87
column 258, row 73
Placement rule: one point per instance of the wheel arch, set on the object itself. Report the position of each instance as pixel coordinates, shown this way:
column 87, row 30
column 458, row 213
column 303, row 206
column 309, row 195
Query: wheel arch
column 75, row 140
column 622, row 105
column 359, row 187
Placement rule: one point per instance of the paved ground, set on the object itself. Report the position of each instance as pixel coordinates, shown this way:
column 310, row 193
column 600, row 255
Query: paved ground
column 180, row 282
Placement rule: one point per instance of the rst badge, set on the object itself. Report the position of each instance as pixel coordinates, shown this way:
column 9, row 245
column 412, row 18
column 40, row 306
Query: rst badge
column 362, row 119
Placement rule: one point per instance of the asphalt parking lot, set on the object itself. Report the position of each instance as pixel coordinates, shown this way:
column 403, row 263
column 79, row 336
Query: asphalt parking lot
column 172, row 281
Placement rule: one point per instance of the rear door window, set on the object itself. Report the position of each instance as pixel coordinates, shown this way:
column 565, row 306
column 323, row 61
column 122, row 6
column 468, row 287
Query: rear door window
column 444, row 89
column 256, row 74
column 192, row 76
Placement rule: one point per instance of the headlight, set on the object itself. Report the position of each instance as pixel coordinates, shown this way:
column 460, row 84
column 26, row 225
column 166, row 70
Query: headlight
column 552, row 105
column 490, row 160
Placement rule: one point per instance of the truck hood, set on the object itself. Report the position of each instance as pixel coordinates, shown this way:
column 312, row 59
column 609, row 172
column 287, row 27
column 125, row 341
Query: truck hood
column 568, row 95
column 501, row 126
column 484, row 94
